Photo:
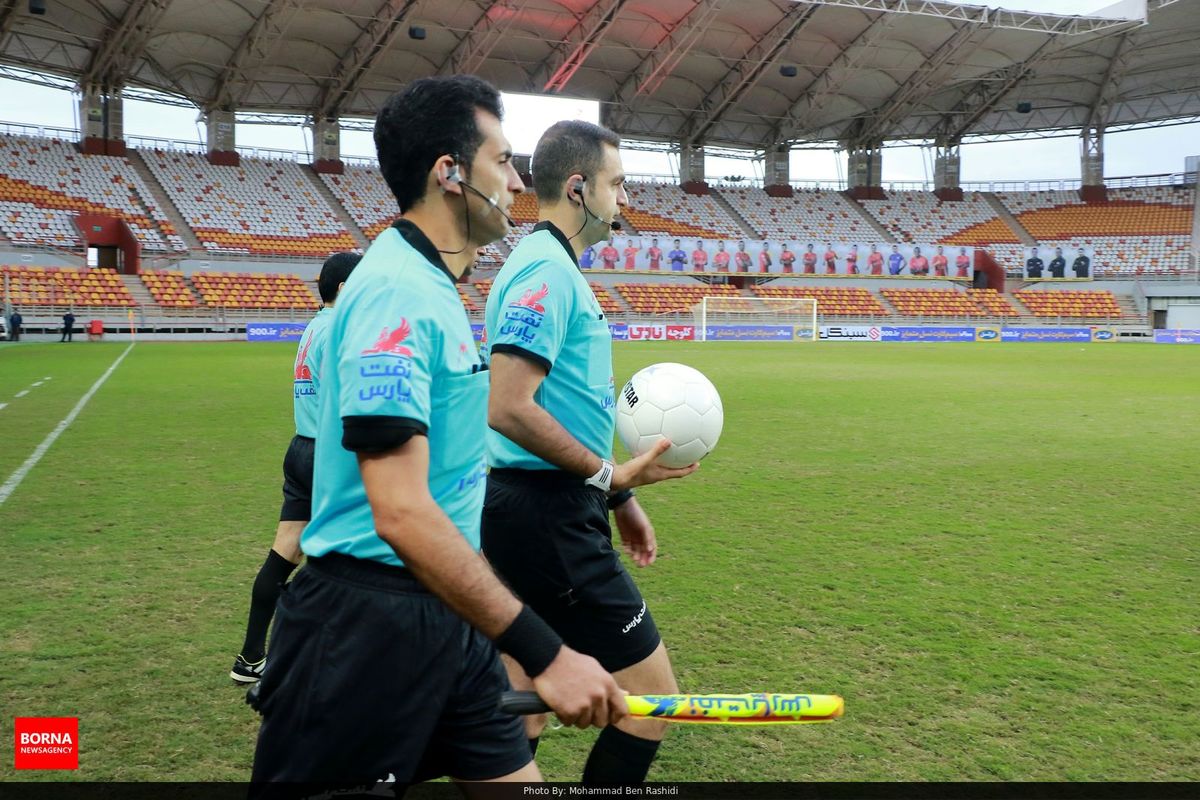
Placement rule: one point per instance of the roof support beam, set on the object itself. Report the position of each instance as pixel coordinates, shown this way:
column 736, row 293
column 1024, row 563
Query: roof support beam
column 8, row 17
column 122, row 46
column 995, row 17
column 745, row 73
column 984, row 96
column 661, row 61
column 576, row 46
column 1117, row 66
column 354, row 66
column 264, row 34
column 925, row 81
column 827, row 85
column 473, row 49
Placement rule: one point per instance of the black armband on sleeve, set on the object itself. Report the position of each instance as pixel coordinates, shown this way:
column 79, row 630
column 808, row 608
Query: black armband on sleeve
column 378, row 434
column 618, row 499
column 528, row 355
column 530, row 641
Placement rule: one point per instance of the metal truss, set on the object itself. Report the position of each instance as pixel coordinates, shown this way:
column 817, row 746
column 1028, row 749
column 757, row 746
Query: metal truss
column 473, row 49
column 373, row 41
column 1107, row 93
column 264, row 36
column 745, row 74
column 589, row 30
column 993, row 17
column 659, row 62
column 121, row 47
column 827, row 85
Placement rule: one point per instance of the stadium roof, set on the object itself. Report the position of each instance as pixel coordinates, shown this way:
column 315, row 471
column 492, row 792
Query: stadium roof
column 697, row 71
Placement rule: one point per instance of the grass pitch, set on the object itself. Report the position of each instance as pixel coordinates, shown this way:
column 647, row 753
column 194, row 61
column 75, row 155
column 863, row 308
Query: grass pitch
column 989, row 550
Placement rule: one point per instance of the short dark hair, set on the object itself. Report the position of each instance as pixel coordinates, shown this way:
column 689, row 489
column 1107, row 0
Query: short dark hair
column 565, row 148
column 430, row 118
column 334, row 272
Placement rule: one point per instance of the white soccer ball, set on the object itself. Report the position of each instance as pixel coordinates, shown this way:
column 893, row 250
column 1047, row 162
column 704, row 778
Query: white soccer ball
column 670, row 401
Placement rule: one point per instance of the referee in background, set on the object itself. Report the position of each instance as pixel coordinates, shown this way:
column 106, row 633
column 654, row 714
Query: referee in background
column 285, row 554
column 552, row 413
column 381, row 667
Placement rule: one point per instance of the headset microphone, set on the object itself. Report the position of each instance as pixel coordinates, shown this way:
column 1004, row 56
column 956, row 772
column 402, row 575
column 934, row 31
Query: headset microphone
column 452, row 176
column 577, row 187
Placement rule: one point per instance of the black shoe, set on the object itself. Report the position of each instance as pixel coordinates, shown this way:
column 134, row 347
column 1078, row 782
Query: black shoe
column 245, row 672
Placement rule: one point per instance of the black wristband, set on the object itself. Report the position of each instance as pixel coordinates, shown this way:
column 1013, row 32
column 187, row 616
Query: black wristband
column 618, row 499
column 530, row 641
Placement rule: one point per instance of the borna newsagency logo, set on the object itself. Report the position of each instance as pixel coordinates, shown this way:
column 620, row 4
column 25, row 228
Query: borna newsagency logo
column 46, row 743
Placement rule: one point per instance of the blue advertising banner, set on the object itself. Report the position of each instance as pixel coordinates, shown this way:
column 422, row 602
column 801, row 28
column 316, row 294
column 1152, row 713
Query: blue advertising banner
column 750, row 333
column 620, row 331
column 1046, row 334
column 274, row 331
column 914, row 334
column 1177, row 336
column 477, row 331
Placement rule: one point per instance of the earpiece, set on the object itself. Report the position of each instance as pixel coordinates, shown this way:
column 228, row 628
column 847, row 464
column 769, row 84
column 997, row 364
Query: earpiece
column 577, row 186
column 452, row 175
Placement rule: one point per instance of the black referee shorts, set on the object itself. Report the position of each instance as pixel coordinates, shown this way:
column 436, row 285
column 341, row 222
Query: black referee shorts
column 548, row 536
column 371, row 676
column 297, row 480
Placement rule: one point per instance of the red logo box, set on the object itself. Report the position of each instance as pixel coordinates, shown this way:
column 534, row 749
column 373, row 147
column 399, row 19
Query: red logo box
column 46, row 742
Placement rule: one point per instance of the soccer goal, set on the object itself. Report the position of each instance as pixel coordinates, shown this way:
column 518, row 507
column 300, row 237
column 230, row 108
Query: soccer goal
column 798, row 312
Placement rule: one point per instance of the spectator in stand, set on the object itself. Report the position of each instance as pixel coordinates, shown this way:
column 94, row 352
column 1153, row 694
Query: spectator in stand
column 787, row 258
column 764, row 258
column 852, row 260
column 631, row 254
column 655, row 254
column 875, row 261
column 1058, row 264
column 741, row 259
column 1081, row 265
column 721, row 258
column 699, row 257
column 940, row 264
column 919, row 265
column 677, row 257
column 609, row 254
column 810, row 260
column 962, row 262
column 830, row 260
column 895, row 261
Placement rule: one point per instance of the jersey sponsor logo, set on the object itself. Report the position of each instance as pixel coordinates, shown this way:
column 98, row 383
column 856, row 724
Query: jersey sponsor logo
column 637, row 619
column 388, row 342
column 532, row 299
column 386, row 367
column 301, row 372
column 472, row 479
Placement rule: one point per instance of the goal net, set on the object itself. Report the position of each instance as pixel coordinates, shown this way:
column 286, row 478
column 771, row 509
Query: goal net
column 798, row 312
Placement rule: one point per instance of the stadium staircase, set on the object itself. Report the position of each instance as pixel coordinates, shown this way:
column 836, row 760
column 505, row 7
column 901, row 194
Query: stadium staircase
column 141, row 295
column 1001, row 211
column 1196, row 225
column 884, row 234
column 339, row 210
column 472, row 293
column 735, row 215
column 164, row 202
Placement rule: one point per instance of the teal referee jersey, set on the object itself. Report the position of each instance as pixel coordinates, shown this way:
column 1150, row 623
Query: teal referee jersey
column 401, row 361
column 542, row 308
column 306, row 382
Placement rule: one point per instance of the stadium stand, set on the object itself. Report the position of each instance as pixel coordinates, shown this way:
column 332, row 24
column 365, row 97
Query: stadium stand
column 993, row 303
column 1070, row 303
column 920, row 217
column 1137, row 230
column 667, row 210
column 808, row 216
column 259, row 208
column 664, row 298
column 45, row 183
column 245, row 290
column 169, row 288
column 932, row 302
column 834, row 301
column 608, row 303
column 365, row 196
column 62, row 286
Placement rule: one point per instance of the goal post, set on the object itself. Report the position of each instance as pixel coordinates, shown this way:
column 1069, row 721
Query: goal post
column 798, row 312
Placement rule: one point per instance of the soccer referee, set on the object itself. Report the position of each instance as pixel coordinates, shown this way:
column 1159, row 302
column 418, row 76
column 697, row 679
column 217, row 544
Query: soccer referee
column 552, row 411
column 381, row 666
column 296, row 511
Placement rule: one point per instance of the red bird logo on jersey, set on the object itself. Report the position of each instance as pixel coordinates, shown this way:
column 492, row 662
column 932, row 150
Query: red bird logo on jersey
column 302, row 372
column 531, row 299
column 389, row 341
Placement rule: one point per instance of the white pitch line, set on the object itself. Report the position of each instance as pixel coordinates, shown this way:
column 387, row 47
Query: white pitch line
column 3, row 406
column 22, row 393
column 15, row 479
column 37, row 383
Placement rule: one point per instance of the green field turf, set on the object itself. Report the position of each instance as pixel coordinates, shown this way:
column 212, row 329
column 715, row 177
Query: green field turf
column 989, row 550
